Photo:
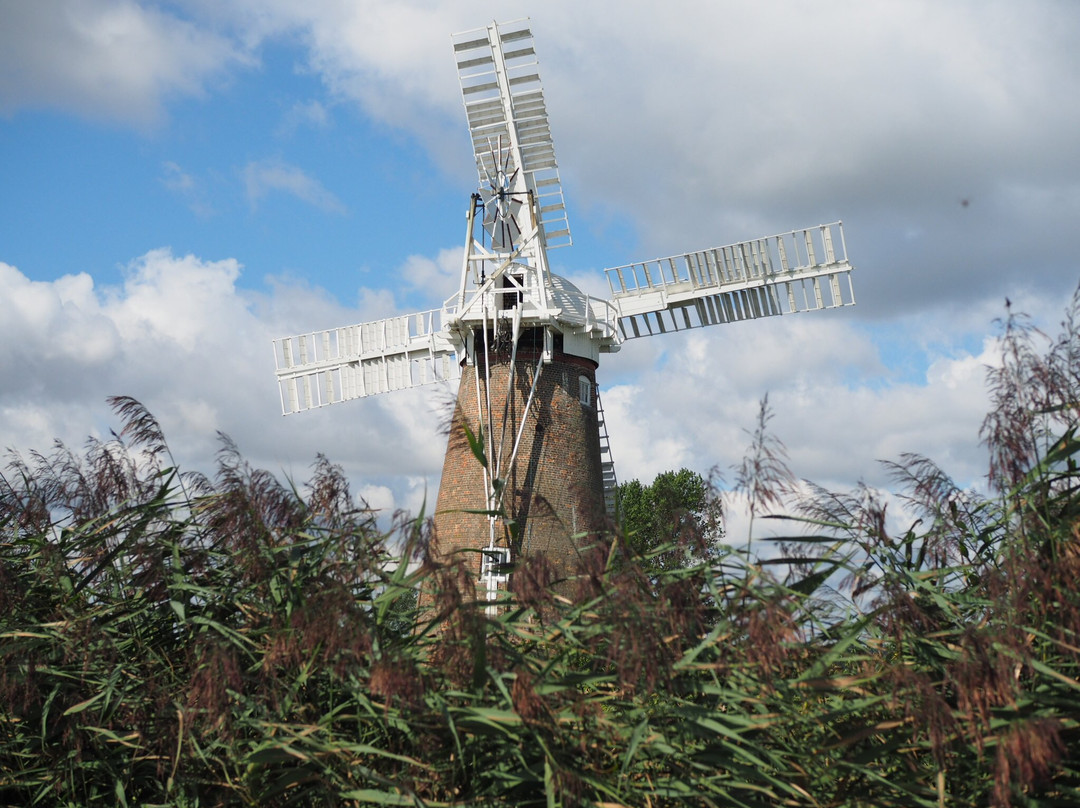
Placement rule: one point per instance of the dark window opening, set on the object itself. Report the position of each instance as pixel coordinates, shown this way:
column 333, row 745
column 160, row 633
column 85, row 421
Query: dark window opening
column 512, row 298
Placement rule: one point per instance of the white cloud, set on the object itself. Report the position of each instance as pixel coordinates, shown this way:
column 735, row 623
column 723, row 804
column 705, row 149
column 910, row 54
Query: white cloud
column 264, row 176
column 51, row 322
column 176, row 179
column 437, row 277
column 379, row 497
column 180, row 337
column 106, row 59
column 833, row 402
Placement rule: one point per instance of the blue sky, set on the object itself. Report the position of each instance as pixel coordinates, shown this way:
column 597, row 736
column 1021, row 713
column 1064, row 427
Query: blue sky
column 192, row 182
column 185, row 180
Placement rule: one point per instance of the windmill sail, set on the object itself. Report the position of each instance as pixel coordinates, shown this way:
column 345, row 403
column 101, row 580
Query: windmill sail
column 340, row 364
column 803, row 270
column 504, row 102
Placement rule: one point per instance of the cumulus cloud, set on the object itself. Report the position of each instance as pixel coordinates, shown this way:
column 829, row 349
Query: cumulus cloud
column 112, row 60
column 56, row 336
column 182, row 338
column 262, row 177
column 834, row 404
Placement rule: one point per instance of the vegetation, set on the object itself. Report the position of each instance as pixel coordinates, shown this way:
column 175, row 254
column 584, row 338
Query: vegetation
column 679, row 511
column 170, row 639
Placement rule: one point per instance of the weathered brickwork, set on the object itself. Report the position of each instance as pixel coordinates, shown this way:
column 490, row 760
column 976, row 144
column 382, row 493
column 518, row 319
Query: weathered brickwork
column 554, row 489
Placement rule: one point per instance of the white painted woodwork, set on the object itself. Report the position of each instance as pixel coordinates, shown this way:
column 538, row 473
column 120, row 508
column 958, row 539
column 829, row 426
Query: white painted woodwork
column 804, row 270
column 500, row 86
column 326, row 367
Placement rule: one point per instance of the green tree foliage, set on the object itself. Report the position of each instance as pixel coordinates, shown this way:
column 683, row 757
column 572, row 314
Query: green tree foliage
column 168, row 639
column 672, row 522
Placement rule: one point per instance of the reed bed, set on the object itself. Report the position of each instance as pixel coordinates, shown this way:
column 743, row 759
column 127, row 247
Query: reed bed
column 173, row 639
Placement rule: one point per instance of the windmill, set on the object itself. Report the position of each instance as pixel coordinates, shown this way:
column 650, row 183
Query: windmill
column 524, row 343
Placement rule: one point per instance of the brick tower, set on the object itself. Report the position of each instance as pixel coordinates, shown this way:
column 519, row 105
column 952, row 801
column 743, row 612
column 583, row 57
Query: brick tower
column 552, row 494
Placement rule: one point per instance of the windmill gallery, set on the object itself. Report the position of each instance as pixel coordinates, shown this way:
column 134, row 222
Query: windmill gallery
column 524, row 343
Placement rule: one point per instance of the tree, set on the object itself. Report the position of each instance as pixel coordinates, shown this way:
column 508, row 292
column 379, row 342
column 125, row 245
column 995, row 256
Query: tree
column 674, row 521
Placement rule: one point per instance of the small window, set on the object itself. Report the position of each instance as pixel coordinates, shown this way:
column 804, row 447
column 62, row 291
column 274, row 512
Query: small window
column 511, row 292
column 585, row 390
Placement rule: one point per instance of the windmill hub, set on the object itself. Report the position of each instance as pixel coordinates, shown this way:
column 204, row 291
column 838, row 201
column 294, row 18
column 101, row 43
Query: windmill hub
column 524, row 343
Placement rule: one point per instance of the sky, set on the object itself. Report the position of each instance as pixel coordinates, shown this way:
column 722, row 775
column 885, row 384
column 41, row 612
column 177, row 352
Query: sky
column 183, row 181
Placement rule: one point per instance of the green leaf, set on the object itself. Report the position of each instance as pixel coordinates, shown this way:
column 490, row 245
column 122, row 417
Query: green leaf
column 635, row 741
column 179, row 608
column 811, row 582
column 476, row 443
column 121, row 795
column 549, row 784
column 82, row 705
column 272, row 754
column 376, row 797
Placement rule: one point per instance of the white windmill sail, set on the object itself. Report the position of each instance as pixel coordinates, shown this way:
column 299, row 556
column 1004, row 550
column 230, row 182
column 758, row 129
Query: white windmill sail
column 504, row 104
column 340, row 364
column 803, row 270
